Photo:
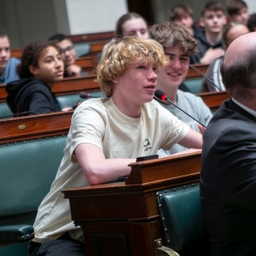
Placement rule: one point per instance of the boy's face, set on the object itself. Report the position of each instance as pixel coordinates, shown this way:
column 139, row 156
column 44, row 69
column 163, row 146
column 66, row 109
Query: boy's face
column 173, row 73
column 68, row 53
column 4, row 53
column 135, row 27
column 137, row 84
column 242, row 16
column 213, row 21
column 185, row 20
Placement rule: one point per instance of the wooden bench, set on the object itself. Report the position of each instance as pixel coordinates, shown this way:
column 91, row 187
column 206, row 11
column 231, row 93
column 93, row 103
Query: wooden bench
column 66, row 86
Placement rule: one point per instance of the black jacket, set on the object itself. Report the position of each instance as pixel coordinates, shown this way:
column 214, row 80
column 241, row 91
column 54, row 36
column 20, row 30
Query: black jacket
column 203, row 46
column 30, row 95
column 228, row 181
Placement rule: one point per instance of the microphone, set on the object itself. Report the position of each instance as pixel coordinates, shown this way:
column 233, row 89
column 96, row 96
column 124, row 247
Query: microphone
column 162, row 96
column 85, row 95
column 206, row 78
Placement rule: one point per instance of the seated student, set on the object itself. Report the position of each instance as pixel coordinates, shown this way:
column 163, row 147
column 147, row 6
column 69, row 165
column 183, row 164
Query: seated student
column 7, row 65
column 41, row 66
column 178, row 45
column 182, row 14
column 130, row 24
column 230, row 32
column 237, row 11
column 68, row 55
column 107, row 134
column 251, row 23
column 209, row 40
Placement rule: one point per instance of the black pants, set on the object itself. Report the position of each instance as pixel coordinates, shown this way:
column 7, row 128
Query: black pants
column 64, row 246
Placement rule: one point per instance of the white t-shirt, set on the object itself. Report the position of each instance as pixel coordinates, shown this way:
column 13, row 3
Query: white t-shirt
column 99, row 122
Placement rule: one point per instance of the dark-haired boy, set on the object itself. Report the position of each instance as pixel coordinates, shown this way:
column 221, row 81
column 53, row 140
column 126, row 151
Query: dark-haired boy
column 237, row 11
column 209, row 40
column 182, row 14
column 68, row 56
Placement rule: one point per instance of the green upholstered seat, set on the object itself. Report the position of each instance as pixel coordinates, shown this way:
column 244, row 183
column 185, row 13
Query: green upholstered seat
column 5, row 111
column 182, row 220
column 194, row 85
column 72, row 99
column 27, row 170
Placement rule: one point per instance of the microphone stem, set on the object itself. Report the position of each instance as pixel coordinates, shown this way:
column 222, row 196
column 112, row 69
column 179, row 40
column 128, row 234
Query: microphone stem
column 206, row 78
column 184, row 111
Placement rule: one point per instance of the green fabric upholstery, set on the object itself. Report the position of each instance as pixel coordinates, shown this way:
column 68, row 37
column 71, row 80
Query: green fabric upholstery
column 5, row 111
column 27, row 170
column 72, row 99
column 194, row 85
column 183, row 221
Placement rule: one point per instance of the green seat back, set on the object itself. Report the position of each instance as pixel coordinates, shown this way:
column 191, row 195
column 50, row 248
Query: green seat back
column 194, row 85
column 27, row 170
column 182, row 219
column 5, row 111
column 72, row 99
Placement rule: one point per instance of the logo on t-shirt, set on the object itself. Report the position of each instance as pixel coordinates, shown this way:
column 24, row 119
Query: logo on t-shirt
column 147, row 145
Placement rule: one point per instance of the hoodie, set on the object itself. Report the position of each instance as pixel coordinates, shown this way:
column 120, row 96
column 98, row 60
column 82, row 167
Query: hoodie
column 30, row 95
column 203, row 46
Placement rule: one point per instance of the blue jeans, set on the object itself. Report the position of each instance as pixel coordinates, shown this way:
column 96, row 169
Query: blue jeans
column 64, row 246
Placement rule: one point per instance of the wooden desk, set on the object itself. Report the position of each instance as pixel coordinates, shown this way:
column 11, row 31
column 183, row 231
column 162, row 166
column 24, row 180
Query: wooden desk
column 66, row 86
column 16, row 53
column 38, row 126
column 86, row 63
column 122, row 218
column 214, row 99
column 202, row 68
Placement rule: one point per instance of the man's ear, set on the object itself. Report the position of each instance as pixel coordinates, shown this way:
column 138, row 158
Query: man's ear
column 201, row 22
column 33, row 70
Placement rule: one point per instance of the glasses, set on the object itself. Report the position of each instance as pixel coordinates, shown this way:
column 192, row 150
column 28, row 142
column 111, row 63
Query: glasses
column 68, row 49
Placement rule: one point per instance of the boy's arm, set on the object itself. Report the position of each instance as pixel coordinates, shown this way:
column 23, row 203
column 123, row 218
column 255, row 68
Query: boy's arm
column 193, row 139
column 97, row 169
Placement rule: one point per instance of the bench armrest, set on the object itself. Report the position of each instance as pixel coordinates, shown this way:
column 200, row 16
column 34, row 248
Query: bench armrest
column 10, row 234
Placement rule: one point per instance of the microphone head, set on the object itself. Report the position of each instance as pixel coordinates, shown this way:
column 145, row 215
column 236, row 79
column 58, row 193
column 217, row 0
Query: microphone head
column 84, row 95
column 160, row 95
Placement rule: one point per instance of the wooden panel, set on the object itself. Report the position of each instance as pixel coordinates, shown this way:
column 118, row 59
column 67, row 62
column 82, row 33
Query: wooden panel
column 102, row 36
column 75, row 85
column 16, row 53
column 86, row 63
column 214, row 99
column 194, row 74
column 66, row 86
column 38, row 126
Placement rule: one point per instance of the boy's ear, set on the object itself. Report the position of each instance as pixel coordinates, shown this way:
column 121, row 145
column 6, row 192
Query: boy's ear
column 116, row 80
column 33, row 70
column 201, row 22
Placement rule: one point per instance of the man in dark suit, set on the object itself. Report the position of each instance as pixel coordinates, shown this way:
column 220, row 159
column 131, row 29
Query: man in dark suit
column 228, row 174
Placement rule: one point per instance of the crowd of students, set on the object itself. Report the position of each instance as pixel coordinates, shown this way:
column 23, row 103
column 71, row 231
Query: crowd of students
column 100, row 144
